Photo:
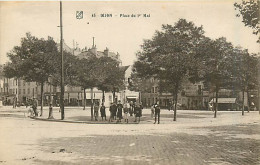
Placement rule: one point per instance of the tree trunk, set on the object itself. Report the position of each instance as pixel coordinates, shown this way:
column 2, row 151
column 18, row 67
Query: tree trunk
column 91, row 104
column 114, row 95
column 78, row 99
column 103, row 97
column 84, row 99
column 243, row 102
column 258, row 100
column 42, row 83
column 216, row 104
column 248, row 100
column 175, row 106
column 50, row 107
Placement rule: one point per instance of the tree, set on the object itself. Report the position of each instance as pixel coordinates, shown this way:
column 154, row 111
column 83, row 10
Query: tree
column 244, row 73
column 168, row 55
column 32, row 61
column 111, row 77
column 215, row 60
column 249, row 10
column 88, row 76
column 70, row 65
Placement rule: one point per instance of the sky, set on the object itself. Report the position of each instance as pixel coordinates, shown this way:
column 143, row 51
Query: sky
column 119, row 34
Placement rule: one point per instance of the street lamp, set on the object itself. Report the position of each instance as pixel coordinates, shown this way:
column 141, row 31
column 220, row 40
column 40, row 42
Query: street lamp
column 62, row 67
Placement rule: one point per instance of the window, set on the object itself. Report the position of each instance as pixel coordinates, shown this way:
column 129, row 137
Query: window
column 23, row 91
column 28, row 92
column 20, row 91
column 23, row 83
column 199, row 89
column 156, row 90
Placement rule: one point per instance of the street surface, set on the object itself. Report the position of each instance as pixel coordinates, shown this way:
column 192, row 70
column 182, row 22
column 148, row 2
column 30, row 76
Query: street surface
column 196, row 138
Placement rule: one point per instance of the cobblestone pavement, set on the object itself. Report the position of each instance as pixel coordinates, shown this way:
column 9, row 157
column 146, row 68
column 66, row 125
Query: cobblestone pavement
column 196, row 138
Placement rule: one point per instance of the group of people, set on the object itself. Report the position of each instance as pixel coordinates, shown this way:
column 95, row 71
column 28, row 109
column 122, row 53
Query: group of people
column 119, row 111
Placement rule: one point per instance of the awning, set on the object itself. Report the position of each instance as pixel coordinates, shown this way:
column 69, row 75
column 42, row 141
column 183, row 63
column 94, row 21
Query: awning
column 224, row 100
column 131, row 97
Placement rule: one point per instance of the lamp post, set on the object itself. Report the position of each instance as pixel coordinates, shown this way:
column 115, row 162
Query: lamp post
column 62, row 67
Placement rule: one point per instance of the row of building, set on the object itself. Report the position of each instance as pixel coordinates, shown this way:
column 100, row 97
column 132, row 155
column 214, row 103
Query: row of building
column 192, row 96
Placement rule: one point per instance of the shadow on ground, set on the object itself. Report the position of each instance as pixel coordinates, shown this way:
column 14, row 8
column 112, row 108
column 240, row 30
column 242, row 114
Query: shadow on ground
column 174, row 148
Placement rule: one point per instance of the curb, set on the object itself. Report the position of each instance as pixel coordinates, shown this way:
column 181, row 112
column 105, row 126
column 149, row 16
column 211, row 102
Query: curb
column 79, row 122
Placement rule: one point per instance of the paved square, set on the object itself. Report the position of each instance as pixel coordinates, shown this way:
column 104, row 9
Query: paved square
column 196, row 138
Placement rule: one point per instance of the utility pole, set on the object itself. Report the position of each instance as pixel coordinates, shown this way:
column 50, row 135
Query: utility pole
column 62, row 67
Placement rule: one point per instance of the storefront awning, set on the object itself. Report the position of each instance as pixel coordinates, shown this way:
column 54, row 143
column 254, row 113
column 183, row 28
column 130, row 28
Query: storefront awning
column 131, row 97
column 224, row 100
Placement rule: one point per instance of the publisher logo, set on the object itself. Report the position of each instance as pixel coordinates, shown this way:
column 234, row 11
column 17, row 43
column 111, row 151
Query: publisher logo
column 79, row 14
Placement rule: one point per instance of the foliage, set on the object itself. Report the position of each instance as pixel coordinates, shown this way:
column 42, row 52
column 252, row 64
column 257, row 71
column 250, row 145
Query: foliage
column 32, row 61
column 111, row 74
column 249, row 10
column 169, row 55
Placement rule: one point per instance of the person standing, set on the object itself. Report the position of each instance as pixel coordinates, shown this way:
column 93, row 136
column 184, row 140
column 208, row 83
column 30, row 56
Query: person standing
column 112, row 109
column 126, row 111
column 157, row 112
column 119, row 111
column 34, row 106
column 103, row 111
column 152, row 111
column 14, row 102
column 137, row 112
column 96, row 108
column 131, row 108
column 111, row 113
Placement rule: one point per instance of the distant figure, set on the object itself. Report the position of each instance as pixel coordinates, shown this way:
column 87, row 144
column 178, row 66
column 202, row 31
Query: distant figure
column 34, row 106
column 141, row 107
column 126, row 111
column 103, row 111
column 119, row 111
column 131, row 108
column 152, row 111
column 96, row 108
column 112, row 109
column 14, row 102
column 138, row 112
column 157, row 112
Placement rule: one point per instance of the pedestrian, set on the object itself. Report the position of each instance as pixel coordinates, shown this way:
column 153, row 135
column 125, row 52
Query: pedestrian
column 126, row 111
column 96, row 108
column 50, row 111
column 119, row 111
column 152, row 111
column 34, row 106
column 14, row 102
column 111, row 113
column 112, row 109
column 141, row 107
column 103, row 111
column 131, row 108
column 137, row 112
column 157, row 112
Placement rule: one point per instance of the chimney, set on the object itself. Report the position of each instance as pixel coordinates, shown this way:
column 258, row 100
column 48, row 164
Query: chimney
column 106, row 51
